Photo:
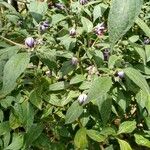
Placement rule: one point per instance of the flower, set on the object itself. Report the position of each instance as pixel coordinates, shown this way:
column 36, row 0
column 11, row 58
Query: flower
column 146, row 40
column 59, row 6
column 74, row 61
column 29, row 42
column 44, row 26
column 99, row 29
column 120, row 74
column 106, row 54
column 83, row 2
column 82, row 98
column 72, row 32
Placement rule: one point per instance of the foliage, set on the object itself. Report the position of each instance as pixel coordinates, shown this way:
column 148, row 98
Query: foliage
column 75, row 75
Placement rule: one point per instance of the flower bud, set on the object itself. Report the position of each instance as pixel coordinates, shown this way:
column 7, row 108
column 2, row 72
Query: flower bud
column 120, row 74
column 44, row 26
column 29, row 42
column 74, row 61
column 83, row 2
column 82, row 98
column 72, row 32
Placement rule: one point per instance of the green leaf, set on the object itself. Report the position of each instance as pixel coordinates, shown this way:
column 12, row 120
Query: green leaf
column 138, row 79
column 105, row 106
column 96, row 12
column 35, row 99
column 37, row 9
column 87, row 24
column 124, row 145
column 143, row 26
column 121, row 17
column 147, row 51
column 80, row 139
column 96, row 136
column 127, row 127
column 57, row 18
column 140, row 140
column 112, row 60
column 4, row 128
column 17, row 143
column 33, row 133
column 73, row 113
column 99, row 87
column 77, row 79
column 58, row 86
column 12, row 70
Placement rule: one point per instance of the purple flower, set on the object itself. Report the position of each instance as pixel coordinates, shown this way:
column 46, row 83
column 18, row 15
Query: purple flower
column 120, row 74
column 74, row 61
column 72, row 32
column 59, row 6
column 83, row 2
column 30, row 42
column 146, row 40
column 99, row 29
column 44, row 26
column 106, row 54
column 82, row 98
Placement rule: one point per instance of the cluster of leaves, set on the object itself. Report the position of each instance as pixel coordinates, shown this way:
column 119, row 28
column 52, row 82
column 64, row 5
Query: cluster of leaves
column 42, row 86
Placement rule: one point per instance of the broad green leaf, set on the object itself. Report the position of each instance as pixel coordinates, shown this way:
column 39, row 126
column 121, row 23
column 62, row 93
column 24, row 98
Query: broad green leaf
column 98, row 88
column 80, row 139
column 124, row 145
column 73, row 113
column 127, row 127
column 57, row 18
column 96, row 136
column 12, row 70
column 77, row 79
column 108, row 131
column 138, row 79
column 35, row 98
column 17, row 143
column 122, row 15
column 147, row 51
column 37, row 9
column 87, row 24
column 96, row 12
column 140, row 140
column 1, row 115
column 4, row 128
column 33, row 133
column 143, row 26
column 105, row 106
column 58, row 86
column 7, row 138
column 134, row 38
column 112, row 60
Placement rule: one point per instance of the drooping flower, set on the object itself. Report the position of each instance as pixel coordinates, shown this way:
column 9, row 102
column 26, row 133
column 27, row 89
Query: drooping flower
column 74, row 61
column 72, row 32
column 146, row 40
column 106, row 54
column 83, row 2
column 44, row 26
column 29, row 42
column 99, row 29
column 120, row 74
column 82, row 98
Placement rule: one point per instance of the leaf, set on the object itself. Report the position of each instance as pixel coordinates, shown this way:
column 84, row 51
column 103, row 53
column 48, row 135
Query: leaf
column 4, row 128
column 37, row 9
column 96, row 136
column 12, row 70
column 58, row 86
column 35, row 99
column 97, row 12
column 73, row 113
column 33, row 133
column 87, row 24
column 77, row 79
column 57, row 18
column 112, row 60
column 121, row 18
column 80, row 139
column 105, row 106
column 140, row 140
column 147, row 51
column 143, row 26
column 127, row 127
column 138, row 79
column 124, row 145
column 99, row 87
column 17, row 143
